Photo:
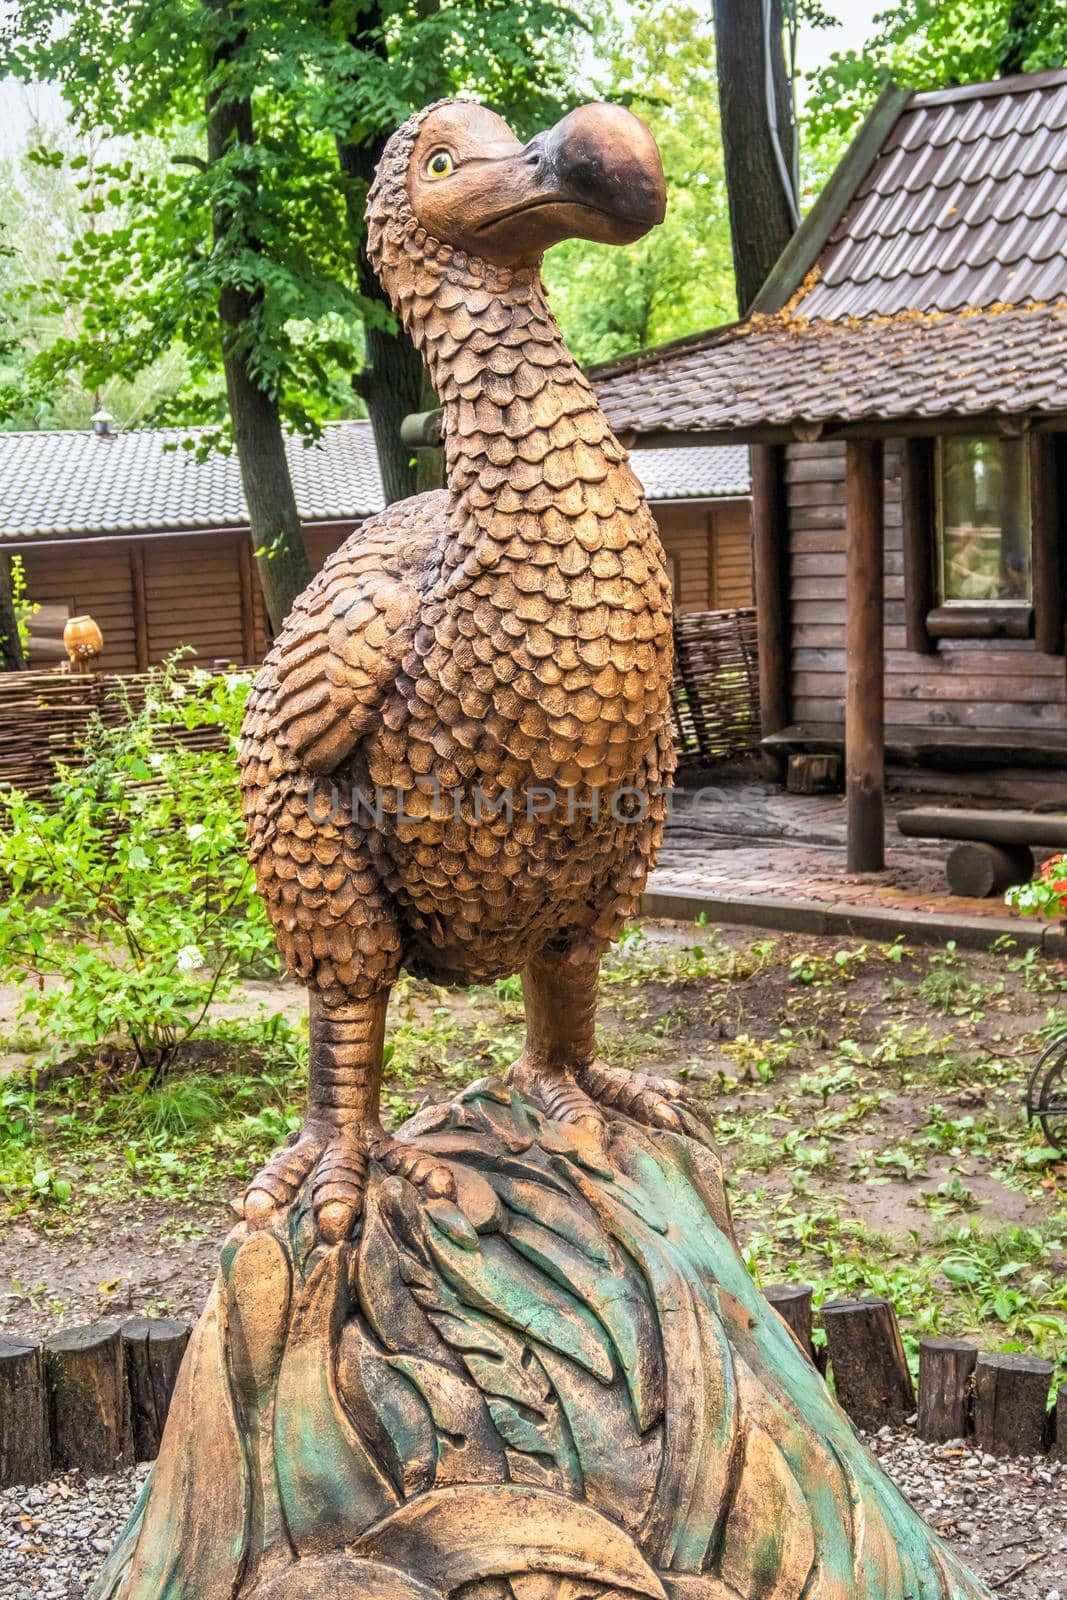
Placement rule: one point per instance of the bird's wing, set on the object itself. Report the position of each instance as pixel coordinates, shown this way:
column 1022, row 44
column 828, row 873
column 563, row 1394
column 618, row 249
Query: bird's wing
column 340, row 650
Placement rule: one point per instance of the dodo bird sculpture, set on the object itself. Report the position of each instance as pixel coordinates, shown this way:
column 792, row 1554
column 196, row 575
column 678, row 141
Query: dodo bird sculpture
column 475, row 687
column 517, row 1354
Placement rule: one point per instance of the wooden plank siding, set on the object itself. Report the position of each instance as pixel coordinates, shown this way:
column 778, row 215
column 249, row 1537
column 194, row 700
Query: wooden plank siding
column 1004, row 685
column 712, row 550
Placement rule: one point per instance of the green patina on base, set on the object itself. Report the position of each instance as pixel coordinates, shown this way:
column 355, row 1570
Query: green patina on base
column 567, row 1386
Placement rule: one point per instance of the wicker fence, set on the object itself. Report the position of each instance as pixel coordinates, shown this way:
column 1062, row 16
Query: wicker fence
column 43, row 716
column 715, row 702
column 716, row 685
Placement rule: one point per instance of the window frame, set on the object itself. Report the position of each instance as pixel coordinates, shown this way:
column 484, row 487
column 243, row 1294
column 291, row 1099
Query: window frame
column 995, row 605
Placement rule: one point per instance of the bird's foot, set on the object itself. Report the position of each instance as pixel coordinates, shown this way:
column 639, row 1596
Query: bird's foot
column 557, row 1092
column 335, row 1158
column 336, row 1161
column 656, row 1102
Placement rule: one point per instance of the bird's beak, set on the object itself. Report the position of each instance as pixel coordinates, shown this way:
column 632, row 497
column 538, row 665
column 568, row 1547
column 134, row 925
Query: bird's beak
column 596, row 175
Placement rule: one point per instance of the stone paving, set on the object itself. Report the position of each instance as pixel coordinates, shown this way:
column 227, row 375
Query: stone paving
column 735, row 835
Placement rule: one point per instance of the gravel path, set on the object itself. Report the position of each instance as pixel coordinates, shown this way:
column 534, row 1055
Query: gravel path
column 1008, row 1519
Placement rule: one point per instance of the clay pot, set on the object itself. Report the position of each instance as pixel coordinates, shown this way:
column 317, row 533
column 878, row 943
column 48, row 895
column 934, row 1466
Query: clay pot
column 82, row 639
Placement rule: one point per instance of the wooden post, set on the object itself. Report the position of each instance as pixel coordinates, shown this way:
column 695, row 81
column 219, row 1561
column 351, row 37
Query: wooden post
column 1048, row 576
column 140, row 608
column 871, row 1377
column 1011, row 1404
column 246, row 580
column 25, row 1446
column 153, row 1349
column 770, row 533
column 89, row 1399
column 792, row 1301
column 917, row 514
column 865, row 656
column 946, row 1388
column 1059, row 1431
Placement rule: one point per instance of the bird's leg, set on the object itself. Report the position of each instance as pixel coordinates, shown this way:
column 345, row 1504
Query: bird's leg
column 560, row 1068
column 342, row 1130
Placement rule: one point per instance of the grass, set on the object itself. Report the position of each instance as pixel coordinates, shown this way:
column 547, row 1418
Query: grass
column 866, row 1100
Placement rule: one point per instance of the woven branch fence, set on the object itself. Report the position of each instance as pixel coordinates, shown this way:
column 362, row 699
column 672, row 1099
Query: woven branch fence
column 715, row 703
column 715, row 696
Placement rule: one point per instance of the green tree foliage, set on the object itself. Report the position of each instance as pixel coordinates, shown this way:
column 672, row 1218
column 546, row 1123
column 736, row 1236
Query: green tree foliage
column 927, row 44
column 149, row 278
column 678, row 279
column 127, row 904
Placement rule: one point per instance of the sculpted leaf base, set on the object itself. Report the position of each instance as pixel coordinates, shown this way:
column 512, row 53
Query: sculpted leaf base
column 563, row 1386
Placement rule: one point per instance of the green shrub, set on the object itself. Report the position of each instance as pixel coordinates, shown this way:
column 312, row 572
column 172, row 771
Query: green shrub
column 128, row 904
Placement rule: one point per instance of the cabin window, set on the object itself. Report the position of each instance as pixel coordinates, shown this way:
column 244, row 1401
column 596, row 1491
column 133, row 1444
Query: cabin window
column 983, row 522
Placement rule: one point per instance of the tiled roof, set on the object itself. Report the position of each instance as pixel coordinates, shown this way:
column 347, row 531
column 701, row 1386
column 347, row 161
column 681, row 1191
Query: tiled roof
column 964, row 205
column 694, row 472
column 939, row 287
column 774, row 373
column 58, row 483
column 63, row 482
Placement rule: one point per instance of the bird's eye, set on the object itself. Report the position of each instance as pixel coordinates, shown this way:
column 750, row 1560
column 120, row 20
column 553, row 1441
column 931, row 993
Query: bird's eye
column 439, row 165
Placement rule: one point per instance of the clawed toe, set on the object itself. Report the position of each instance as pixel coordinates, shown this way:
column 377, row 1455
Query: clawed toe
column 277, row 1184
column 423, row 1170
column 653, row 1101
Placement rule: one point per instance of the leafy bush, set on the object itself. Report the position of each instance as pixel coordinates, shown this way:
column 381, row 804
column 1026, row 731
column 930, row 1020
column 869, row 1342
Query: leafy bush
column 1046, row 894
column 129, row 905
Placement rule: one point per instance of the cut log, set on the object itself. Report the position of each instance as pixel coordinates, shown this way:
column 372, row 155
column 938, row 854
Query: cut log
column 153, row 1350
column 1011, row 1404
column 814, row 774
column 792, row 1301
column 871, row 1376
column 946, row 1388
column 982, row 870
column 1059, row 1426
column 25, row 1446
column 88, row 1398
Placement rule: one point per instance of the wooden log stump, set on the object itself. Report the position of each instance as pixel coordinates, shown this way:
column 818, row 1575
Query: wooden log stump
column 871, row 1376
column 88, row 1398
column 153, row 1350
column 1011, row 1404
column 792, row 1301
column 946, row 1388
column 25, row 1445
column 981, row 870
column 1058, row 1451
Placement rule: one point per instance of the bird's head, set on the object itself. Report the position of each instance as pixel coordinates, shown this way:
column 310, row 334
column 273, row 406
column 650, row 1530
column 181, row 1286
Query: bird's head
column 467, row 184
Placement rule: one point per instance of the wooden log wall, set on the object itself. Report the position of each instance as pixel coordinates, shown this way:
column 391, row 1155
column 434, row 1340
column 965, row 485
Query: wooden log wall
column 1003, row 685
column 95, row 1397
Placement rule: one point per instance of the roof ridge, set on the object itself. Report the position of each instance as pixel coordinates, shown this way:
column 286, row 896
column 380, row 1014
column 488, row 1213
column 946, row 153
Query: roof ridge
column 991, row 88
column 176, row 427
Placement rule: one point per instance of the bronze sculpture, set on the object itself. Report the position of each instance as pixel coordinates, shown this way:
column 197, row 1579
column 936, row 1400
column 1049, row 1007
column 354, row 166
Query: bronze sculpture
column 514, row 1355
column 466, row 648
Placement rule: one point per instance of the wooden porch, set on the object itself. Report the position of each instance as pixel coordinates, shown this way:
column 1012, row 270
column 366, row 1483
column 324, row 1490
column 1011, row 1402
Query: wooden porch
column 745, row 851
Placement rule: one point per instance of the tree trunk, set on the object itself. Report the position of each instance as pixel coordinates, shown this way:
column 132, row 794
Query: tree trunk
column 11, row 656
column 1024, row 24
column 394, row 382
column 277, row 536
column 763, row 210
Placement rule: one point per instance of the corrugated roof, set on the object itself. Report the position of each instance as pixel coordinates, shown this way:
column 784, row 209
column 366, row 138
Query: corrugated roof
column 60, row 483
column 54, row 483
column 694, row 472
column 960, row 212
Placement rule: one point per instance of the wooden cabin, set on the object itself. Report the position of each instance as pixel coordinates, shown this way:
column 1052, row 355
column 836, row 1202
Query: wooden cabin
column 153, row 543
column 902, row 384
